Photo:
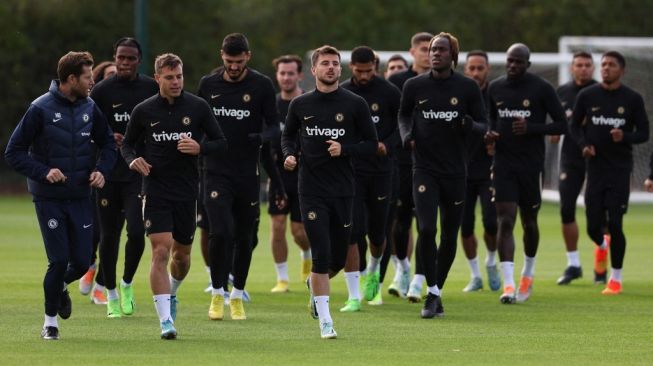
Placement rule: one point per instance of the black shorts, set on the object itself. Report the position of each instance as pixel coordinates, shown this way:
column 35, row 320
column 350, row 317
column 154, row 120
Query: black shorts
column 161, row 215
column 570, row 184
column 432, row 193
column 371, row 206
column 328, row 224
column 292, row 206
column 483, row 190
column 523, row 188
column 608, row 191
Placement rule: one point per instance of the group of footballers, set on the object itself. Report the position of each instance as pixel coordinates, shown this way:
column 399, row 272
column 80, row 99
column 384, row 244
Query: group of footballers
column 350, row 164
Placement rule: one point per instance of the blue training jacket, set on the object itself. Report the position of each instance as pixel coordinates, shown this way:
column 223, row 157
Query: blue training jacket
column 58, row 133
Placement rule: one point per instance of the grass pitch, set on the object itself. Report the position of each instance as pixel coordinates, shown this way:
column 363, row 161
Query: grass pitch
column 572, row 325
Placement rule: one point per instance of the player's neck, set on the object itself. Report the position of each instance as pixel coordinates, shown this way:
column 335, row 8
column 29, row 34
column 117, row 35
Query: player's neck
column 289, row 95
column 418, row 70
column 441, row 74
column 325, row 88
column 67, row 92
column 240, row 78
column 581, row 82
column 611, row 85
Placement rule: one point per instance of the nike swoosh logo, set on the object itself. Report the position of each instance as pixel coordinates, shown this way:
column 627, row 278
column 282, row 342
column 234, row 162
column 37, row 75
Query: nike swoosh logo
column 458, row 203
column 594, row 109
column 348, row 225
column 536, row 206
column 422, row 101
column 87, row 226
column 116, row 105
column 381, row 198
column 253, row 203
column 306, row 118
column 213, row 96
column 56, row 120
column 154, row 123
column 499, row 103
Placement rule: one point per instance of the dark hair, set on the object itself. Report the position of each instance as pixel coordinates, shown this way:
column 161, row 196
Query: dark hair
column 581, row 54
column 362, row 55
column 169, row 60
column 128, row 42
column 287, row 59
column 324, row 50
column 235, row 44
column 73, row 63
column 620, row 58
column 454, row 46
column 420, row 37
column 98, row 71
column 398, row 57
column 478, row 53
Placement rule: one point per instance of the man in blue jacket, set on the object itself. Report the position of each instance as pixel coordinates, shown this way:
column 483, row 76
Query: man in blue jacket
column 53, row 146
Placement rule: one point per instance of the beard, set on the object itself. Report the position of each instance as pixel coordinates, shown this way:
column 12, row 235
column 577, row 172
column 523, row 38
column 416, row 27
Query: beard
column 327, row 81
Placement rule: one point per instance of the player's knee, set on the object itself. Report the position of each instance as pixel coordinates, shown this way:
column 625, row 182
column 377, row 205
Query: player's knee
column 160, row 255
column 58, row 265
column 427, row 230
column 505, row 223
column 298, row 233
column 567, row 214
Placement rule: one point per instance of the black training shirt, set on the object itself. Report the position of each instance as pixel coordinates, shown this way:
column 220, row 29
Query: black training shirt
column 571, row 154
column 433, row 114
column 116, row 98
column 317, row 117
column 531, row 98
column 399, row 79
column 382, row 98
column 480, row 162
column 174, row 175
column 247, row 114
column 596, row 112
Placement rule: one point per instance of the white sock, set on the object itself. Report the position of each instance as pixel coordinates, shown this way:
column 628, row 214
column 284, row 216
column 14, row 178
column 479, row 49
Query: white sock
column 604, row 243
column 50, row 321
column 174, row 285
column 282, row 271
column 473, row 266
column 236, row 293
column 162, row 305
column 353, row 285
column 99, row 287
column 529, row 266
column 112, row 294
column 395, row 261
column 418, row 280
column 434, row 290
column 306, row 254
column 398, row 272
column 322, row 304
column 615, row 275
column 373, row 264
column 507, row 269
column 491, row 259
column 573, row 259
column 405, row 264
column 124, row 284
column 208, row 271
column 217, row 291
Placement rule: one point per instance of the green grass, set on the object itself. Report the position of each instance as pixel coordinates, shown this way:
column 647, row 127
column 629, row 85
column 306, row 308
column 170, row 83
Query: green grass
column 572, row 325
